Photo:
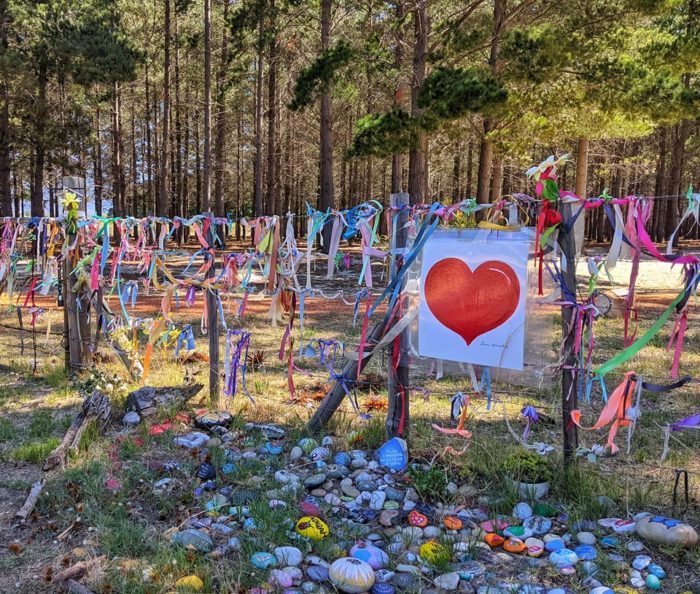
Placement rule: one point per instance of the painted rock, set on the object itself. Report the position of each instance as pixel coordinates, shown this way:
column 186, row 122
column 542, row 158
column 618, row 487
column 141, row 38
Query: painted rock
column 657, row 570
column 522, row 511
column 601, row 590
column 374, row 556
column 312, row 527
column 491, row 526
column 538, row 524
column 319, row 453
column 317, row 573
column 610, row 541
column 417, row 519
column 263, row 560
column 652, row 582
column 518, row 532
column 586, row 538
column 586, row 552
column 209, row 420
column 453, row 523
column 351, row 575
column 624, row 526
column 640, row 562
column 563, row 557
column 288, row 556
column 193, row 539
column 556, row 544
column 667, row 531
column 281, row 578
column 191, row 583
column 342, row 459
column 434, row 552
column 514, row 545
column 535, row 547
column 494, row 540
column 393, row 454
column 382, row 588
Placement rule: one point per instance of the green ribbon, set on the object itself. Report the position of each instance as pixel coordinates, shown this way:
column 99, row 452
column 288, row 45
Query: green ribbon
column 642, row 341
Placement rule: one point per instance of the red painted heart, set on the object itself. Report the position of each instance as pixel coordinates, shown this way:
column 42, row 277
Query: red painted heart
column 471, row 303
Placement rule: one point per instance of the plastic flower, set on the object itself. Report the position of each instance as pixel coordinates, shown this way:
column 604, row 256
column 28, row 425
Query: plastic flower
column 547, row 169
column 70, row 201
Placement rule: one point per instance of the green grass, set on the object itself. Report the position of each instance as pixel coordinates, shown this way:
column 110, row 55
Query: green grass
column 8, row 431
column 41, row 424
column 34, row 452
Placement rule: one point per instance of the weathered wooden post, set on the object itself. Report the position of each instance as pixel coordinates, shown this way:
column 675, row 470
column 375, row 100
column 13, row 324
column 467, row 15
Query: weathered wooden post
column 397, row 419
column 569, row 373
column 213, row 320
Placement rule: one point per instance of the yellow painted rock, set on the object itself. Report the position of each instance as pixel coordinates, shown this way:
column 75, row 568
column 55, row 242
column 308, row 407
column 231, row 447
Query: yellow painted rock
column 312, row 527
column 190, row 583
column 434, row 552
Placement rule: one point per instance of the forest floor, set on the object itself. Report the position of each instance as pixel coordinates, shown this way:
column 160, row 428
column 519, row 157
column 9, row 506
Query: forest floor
column 122, row 530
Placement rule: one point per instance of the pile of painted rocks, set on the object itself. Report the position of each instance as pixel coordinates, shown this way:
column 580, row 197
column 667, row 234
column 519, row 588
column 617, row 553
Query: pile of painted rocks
column 353, row 523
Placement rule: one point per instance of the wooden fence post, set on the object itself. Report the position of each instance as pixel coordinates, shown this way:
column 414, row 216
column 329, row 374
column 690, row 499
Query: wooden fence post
column 212, row 298
column 569, row 374
column 397, row 419
column 78, row 325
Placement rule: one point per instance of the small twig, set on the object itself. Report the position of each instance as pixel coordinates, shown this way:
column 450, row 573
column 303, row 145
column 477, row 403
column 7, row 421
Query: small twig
column 29, row 505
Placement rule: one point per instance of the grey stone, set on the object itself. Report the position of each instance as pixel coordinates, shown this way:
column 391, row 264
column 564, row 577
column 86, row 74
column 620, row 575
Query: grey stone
column 193, row 539
column 448, row 581
column 131, row 419
column 315, row 480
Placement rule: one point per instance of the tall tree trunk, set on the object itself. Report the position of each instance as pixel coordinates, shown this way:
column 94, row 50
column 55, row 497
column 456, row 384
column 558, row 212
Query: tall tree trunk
column 258, row 206
column 399, row 97
column 470, row 170
column 271, row 201
column 197, row 164
column 497, row 182
column 220, row 142
column 118, row 179
column 581, row 185
column 39, row 144
column 5, row 165
column 417, row 165
column 134, row 157
column 206, row 173
column 176, row 207
column 659, row 183
column 97, row 164
column 664, row 187
column 326, row 198
column 486, row 150
column 680, row 137
column 163, row 201
column 150, row 200
column 456, row 171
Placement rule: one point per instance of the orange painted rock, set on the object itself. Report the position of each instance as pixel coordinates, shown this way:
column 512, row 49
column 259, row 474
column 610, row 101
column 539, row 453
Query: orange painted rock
column 494, row 540
column 453, row 523
column 514, row 545
column 417, row 519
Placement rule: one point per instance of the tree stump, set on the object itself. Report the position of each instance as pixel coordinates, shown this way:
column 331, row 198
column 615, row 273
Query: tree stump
column 95, row 407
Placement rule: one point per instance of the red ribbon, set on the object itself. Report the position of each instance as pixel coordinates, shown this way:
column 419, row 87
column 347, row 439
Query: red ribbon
column 548, row 217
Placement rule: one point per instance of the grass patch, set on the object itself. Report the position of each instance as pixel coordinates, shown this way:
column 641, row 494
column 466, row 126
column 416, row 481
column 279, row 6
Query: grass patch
column 35, row 452
column 41, row 424
column 7, row 430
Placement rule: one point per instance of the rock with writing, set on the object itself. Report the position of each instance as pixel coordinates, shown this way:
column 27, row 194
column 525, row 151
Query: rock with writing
column 393, row 454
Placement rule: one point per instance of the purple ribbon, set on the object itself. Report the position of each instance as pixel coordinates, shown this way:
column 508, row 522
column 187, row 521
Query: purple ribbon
column 692, row 422
column 234, row 362
column 531, row 417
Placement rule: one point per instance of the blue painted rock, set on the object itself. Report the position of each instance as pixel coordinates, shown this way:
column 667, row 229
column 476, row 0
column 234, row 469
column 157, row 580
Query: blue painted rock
column 273, row 449
column 317, row 573
column 610, row 541
column 586, row 552
column 652, row 582
column 383, row 588
column 554, row 545
column 263, row 560
column 393, row 454
column 563, row 557
column 667, row 531
column 640, row 562
column 319, row 453
column 657, row 570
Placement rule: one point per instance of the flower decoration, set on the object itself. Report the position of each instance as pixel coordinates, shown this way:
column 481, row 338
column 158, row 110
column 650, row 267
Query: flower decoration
column 70, row 205
column 545, row 174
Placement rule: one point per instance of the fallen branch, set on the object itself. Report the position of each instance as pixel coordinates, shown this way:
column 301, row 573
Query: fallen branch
column 29, row 505
column 146, row 401
column 95, row 407
column 74, row 572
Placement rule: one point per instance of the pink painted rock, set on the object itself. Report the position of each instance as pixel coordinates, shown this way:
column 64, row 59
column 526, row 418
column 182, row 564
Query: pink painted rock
column 667, row 531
